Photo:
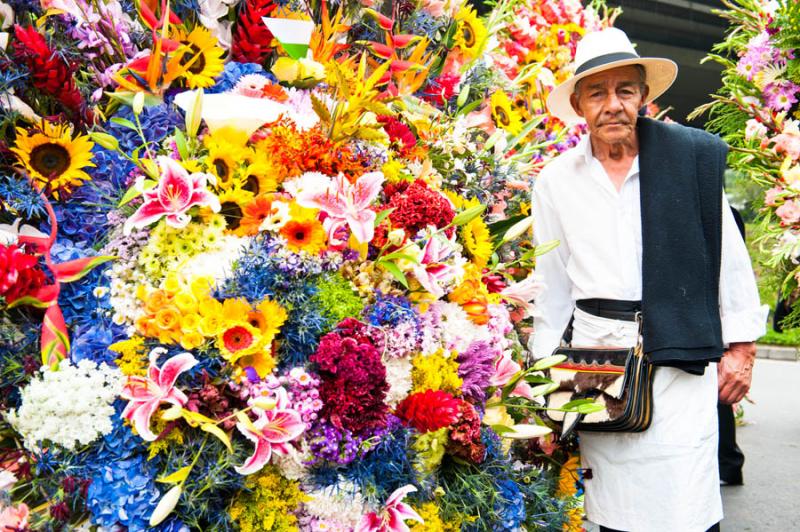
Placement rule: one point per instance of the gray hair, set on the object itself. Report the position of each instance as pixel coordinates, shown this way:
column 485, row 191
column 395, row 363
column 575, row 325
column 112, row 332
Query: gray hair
column 642, row 79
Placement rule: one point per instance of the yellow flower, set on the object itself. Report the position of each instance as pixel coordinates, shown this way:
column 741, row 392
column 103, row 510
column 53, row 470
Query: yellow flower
column 235, row 309
column 305, row 234
column 391, row 170
column 568, row 477
column 436, row 372
column 263, row 362
column 200, row 53
column 233, row 203
column 504, row 113
column 192, row 340
column 227, row 148
column 132, row 358
column 53, row 158
column 258, row 176
column 274, row 316
column 471, row 34
column 210, row 325
column 237, row 339
column 190, row 323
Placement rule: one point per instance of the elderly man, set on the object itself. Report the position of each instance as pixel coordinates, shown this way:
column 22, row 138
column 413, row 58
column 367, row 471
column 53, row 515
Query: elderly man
column 643, row 224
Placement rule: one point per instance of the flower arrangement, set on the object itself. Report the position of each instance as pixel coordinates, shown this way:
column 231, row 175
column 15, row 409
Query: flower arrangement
column 250, row 283
column 756, row 113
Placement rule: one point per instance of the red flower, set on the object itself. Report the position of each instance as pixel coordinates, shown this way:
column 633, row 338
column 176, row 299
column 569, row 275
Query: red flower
column 251, row 38
column 418, row 207
column 494, row 282
column 19, row 273
column 400, row 135
column 429, row 410
column 465, row 435
column 441, row 89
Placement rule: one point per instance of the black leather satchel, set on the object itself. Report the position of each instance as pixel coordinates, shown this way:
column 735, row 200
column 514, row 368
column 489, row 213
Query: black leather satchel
column 620, row 379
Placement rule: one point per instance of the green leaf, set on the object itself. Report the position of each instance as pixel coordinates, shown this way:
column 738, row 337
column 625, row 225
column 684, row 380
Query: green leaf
column 548, row 362
column 575, row 403
column 124, row 122
column 471, row 106
column 368, row 133
column 383, row 215
column 395, row 270
column 134, row 192
column 467, row 215
column 537, row 379
column 402, row 256
column 127, row 97
column 177, row 477
column 219, row 433
column 150, row 167
column 105, row 140
column 501, row 227
column 180, row 142
column 589, row 408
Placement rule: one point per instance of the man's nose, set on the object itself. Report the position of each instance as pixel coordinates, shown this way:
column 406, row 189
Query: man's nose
column 613, row 103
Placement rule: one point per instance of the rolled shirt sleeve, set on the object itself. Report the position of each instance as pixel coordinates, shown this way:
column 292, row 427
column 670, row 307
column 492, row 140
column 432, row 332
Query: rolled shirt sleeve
column 742, row 314
column 554, row 306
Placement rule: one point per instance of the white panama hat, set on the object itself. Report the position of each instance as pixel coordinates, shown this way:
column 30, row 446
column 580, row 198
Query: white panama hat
column 603, row 50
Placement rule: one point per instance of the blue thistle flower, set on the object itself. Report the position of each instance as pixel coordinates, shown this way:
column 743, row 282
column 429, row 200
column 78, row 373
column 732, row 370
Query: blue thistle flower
column 390, row 310
column 19, row 195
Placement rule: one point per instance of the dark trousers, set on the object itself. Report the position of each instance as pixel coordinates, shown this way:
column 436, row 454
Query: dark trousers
column 714, row 528
column 731, row 458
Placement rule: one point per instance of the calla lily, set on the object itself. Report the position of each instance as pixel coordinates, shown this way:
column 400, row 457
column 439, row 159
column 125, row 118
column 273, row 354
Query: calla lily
column 233, row 110
column 270, row 432
column 146, row 394
column 432, row 270
column 393, row 516
column 175, row 193
column 346, row 203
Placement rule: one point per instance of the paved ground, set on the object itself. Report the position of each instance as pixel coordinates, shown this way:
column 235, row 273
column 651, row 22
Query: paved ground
column 771, row 444
column 768, row 501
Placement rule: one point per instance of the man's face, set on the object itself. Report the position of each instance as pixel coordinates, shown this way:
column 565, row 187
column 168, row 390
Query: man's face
column 609, row 101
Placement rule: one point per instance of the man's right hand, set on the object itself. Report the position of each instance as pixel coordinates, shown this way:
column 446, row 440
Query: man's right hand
column 735, row 372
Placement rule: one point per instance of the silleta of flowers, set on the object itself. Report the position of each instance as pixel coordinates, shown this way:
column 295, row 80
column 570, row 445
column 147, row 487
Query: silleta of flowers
column 264, row 266
column 756, row 112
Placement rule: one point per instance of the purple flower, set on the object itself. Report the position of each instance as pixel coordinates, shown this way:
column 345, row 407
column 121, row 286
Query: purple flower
column 476, row 367
column 780, row 95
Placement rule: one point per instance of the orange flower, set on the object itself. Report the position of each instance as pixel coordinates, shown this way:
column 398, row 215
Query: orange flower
column 167, row 318
column 275, row 92
column 253, row 214
column 304, row 235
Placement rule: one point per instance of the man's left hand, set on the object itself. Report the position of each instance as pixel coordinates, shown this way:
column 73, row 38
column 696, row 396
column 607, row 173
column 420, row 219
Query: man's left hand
column 735, row 371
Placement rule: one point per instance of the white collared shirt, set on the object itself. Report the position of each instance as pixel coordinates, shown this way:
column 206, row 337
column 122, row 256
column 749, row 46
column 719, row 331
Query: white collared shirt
column 600, row 255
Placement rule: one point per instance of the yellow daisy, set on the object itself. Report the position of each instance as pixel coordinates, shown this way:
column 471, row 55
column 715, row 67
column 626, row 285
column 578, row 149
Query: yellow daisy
column 201, row 55
column 471, row 34
column 504, row 114
column 53, row 158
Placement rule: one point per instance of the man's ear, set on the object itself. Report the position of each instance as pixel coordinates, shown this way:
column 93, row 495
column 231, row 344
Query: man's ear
column 573, row 100
column 645, row 92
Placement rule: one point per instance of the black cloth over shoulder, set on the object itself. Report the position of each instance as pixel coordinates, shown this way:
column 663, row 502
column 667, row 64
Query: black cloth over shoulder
column 681, row 175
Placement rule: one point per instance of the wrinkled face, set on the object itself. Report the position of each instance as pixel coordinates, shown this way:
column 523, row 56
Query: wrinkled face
column 609, row 101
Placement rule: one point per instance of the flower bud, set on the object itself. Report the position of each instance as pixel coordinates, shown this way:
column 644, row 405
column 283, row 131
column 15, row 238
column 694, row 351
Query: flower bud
column 166, row 505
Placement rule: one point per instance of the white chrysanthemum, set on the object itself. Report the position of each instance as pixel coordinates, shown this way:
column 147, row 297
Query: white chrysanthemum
column 398, row 376
column 69, row 406
column 341, row 504
column 293, row 464
column 216, row 263
column 454, row 330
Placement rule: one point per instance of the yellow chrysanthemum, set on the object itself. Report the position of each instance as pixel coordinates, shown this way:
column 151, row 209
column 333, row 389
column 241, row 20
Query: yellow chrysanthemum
column 232, row 204
column 471, row 34
column 227, row 149
column 436, row 372
column 201, row 54
column 504, row 114
column 53, row 158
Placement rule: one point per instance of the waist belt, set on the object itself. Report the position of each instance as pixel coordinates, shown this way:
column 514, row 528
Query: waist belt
column 615, row 309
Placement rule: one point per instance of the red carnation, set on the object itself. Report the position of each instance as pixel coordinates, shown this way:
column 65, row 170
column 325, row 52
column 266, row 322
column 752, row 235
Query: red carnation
column 19, row 273
column 418, row 207
column 429, row 410
column 465, row 435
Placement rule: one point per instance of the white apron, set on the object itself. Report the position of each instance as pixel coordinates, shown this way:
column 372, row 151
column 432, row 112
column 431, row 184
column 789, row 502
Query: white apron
column 665, row 479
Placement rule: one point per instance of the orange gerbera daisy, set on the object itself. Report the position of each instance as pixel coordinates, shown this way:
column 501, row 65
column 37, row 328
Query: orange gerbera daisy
column 253, row 215
column 304, row 235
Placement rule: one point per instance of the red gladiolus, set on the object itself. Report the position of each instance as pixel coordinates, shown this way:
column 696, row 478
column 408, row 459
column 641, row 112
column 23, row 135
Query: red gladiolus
column 429, row 410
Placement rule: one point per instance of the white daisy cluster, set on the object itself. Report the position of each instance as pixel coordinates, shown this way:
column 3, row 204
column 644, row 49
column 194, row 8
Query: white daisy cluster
column 68, row 406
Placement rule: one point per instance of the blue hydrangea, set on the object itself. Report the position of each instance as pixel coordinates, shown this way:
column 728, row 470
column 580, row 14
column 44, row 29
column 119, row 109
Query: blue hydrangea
column 92, row 341
column 233, row 71
column 157, row 122
column 509, row 505
column 123, row 493
column 111, row 167
column 119, row 444
column 82, row 218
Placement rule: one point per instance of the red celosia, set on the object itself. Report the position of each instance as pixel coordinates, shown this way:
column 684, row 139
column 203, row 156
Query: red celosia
column 251, row 38
column 353, row 386
column 362, row 333
column 429, row 410
column 19, row 273
column 465, row 435
column 50, row 73
column 400, row 135
column 418, row 207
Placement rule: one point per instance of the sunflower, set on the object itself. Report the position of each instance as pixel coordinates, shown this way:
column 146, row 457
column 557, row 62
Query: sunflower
column 227, row 148
column 471, row 34
column 232, row 203
column 200, row 55
column 304, row 234
column 478, row 241
column 53, row 158
column 259, row 175
column 504, row 114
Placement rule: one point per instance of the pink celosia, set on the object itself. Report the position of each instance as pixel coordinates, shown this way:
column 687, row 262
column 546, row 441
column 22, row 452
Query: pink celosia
column 271, row 432
column 175, row 193
column 146, row 394
column 346, row 203
column 393, row 516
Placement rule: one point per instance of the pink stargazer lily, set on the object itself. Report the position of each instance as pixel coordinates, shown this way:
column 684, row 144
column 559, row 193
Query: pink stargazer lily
column 346, row 203
column 432, row 270
column 393, row 516
column 504, row 370
column 146, row 394
column 270, row 432
column 176, row 192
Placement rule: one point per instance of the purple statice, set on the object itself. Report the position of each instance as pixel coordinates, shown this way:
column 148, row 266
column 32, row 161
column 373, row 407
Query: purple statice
column 476, row 367
column 301, row 387
column 327, row 443
column 780, row 95
column 103, row 28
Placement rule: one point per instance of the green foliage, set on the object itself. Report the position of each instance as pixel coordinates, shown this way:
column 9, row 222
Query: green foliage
column 789, row 337
column 336, row 298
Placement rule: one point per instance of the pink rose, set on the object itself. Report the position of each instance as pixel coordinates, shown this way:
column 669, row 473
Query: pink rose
column 789, row 212
column 771, row 196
